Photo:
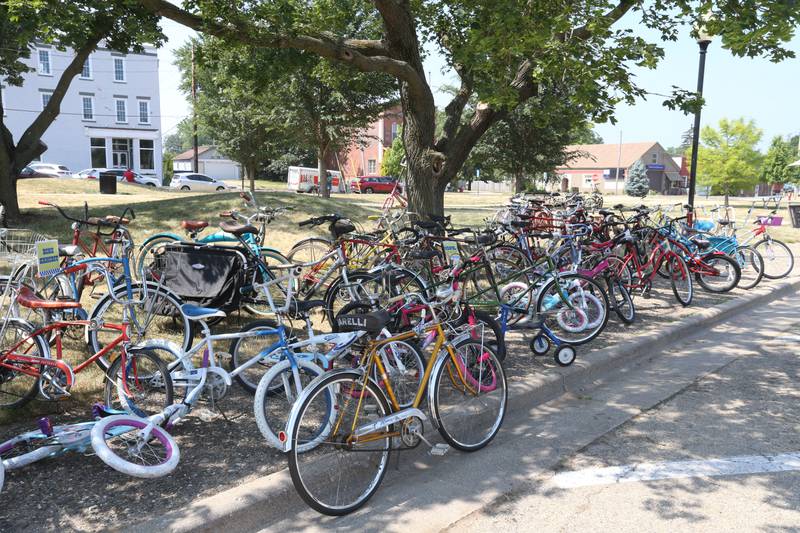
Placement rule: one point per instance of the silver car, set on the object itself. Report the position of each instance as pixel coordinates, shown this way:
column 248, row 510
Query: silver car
column 52, row 169
column 189, row 181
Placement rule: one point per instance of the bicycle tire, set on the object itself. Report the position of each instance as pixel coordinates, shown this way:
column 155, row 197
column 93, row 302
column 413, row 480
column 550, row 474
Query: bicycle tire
column 248, row 379
column 497, row 339
column 768, row 255
column 26, row 392
column 491, row 379
column 676, row 262
column 115, row 393
column 752, row 266
column 309, row 486
column 143, row 257
column 36, row 447
column 271, row 391
column 171, row 302
column 545, row 311
column 732, row 280
column 104, row 430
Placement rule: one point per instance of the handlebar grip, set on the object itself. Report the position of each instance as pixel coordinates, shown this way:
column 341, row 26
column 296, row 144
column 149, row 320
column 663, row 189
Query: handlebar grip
column 42, row 202
column 397, row 298
column 308, row 222
column 226, row 214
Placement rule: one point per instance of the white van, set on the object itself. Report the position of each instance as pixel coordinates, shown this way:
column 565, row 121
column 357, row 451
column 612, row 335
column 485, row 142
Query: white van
column 304, row 179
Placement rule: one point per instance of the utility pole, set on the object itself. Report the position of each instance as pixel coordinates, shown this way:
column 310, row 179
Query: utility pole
column 195, row 164
column 619, row 162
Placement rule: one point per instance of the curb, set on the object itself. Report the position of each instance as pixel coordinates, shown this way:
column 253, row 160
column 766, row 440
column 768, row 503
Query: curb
column 276, row 493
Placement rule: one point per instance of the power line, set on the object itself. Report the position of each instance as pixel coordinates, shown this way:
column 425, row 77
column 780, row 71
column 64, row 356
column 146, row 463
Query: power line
column 81, row 114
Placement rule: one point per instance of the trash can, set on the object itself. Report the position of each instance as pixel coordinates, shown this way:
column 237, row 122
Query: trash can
column 794, row 212
column 108, row 183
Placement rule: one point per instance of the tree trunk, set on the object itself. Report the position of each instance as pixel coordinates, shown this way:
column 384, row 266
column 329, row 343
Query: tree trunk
column 250, row 169
column 519, row 183
column 425, row 183
column 322, row 169
column 8, row 191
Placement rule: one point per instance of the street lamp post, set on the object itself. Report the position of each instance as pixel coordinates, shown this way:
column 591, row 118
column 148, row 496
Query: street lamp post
column 703, row 40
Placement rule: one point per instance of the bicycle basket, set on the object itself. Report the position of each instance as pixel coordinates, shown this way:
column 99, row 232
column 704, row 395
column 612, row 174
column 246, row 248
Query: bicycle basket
column 18, row 246
column 206, row 275
column 341, row 227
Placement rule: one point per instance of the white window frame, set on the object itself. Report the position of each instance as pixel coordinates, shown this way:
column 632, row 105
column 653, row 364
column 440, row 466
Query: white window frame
column 654, row 158
column 88, row 63
column 85, row 97
column 139, row 111
column 116, row 110
column 153, row 149
column 39, row 52
column 395, row 130
column 114, row 69
column 42, row 95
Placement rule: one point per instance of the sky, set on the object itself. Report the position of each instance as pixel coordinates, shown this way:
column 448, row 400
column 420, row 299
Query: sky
column 735, row 87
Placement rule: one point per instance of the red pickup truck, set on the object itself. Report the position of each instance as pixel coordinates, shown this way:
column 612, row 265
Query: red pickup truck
column 372, row 184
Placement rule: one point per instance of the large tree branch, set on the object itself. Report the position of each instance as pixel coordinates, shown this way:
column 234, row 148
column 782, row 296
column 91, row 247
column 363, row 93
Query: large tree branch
column 607, row 20
column 30, row 145
column 455, row 109
column 361, row 54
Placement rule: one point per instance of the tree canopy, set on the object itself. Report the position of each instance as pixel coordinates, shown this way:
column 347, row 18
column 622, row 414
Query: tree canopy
column 504, row 52
column 782, row 152
column 728, row 158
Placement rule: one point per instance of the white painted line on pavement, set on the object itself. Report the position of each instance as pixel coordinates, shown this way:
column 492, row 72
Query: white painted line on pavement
column 731, row 466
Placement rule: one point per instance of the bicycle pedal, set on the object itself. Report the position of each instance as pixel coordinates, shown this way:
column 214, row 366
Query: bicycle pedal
column 439, row 449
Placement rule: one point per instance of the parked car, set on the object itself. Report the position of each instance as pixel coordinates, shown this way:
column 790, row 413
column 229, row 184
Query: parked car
column 51, row 170
column 28, row 172
column 94, row 173
column 371, row 184
column 196, row 182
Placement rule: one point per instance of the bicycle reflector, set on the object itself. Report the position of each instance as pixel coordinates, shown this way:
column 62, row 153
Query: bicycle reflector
column 282, row 436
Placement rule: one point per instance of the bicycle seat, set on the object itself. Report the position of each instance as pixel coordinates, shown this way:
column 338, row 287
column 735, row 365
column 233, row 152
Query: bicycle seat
column 195, row 312
column 95, row 221
column 703, row 244
column 27, row 298
column 519, row 223
column 68, row 250
column 724, row 222
column 114, row 219
column 370, row 322
column 424, row 224
column 194, row 225
column 235, row 228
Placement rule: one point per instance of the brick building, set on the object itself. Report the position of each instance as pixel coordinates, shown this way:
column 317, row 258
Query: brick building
column 365, row 157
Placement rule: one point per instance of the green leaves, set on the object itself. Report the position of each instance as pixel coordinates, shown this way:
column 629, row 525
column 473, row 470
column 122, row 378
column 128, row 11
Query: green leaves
column 637, row 183
column 727, row 158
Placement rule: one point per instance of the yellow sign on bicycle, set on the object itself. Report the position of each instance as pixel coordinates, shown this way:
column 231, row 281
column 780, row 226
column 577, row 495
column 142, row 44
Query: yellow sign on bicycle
column 47, row 259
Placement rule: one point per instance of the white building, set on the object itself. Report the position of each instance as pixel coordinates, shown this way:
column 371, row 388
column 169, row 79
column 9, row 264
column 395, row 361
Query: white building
column 209, row 162
column 110, row 116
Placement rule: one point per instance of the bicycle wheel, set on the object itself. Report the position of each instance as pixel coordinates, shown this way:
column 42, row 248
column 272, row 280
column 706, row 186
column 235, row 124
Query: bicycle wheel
column 492, row 332
column 159, row 316
column 143, row 387
column 621, row 300
column 257, row 303
column 680, row 279
column 276, row 393
column 244, row 349
column 19, row 381
column 752, row 266
column 726, row 277
column 469, row 396
column 778, row 258
column 342, row 472
column 311, row 250
column 146, row 260
column 135, row 446
column 573, row 307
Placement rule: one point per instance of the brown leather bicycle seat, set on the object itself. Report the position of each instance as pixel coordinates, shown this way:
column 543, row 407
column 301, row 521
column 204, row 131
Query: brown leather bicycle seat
column 27, row 298
column 235, row 228
column 114, row 219
column 193, row 225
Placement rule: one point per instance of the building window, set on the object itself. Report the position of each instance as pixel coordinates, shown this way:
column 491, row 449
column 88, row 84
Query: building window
column 98, row 152
column 394, row 131
column 144, row 112
column 588, row 180
column 46, row 98
column 44, row 63
column 146, row 155
column 371, row 166
column 654, row 155
column 119, row 69
column 122, row 110
column 86, row 73
column 121, row 153
column 88, row 107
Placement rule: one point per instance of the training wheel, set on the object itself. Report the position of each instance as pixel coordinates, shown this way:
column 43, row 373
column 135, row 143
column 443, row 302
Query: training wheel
column 565, row 355
column 540, row 345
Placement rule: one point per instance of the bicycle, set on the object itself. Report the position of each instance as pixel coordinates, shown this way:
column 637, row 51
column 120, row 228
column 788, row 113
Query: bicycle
column 51, row 441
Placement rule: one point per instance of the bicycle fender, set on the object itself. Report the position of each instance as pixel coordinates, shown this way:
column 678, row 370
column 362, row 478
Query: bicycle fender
column 174, row 236
column 354, row 372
